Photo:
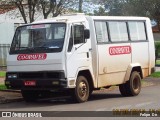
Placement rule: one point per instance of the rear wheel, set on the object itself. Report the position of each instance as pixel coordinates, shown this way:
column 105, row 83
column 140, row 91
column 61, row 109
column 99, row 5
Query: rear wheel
column 81, row 92
column 131, row 87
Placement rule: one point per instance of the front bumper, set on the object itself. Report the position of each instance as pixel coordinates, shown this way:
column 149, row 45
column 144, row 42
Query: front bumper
column 48, row 84
column 43, row 81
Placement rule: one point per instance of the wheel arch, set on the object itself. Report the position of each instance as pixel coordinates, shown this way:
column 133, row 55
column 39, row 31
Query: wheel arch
column 87, row 74
column 133, row 67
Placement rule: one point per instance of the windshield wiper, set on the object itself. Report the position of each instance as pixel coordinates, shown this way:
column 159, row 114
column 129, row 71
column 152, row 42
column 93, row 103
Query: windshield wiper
column 40, row 47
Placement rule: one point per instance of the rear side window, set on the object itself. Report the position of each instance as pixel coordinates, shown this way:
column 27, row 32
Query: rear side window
column 118, row 31
column 137, row 31
column 101, row 32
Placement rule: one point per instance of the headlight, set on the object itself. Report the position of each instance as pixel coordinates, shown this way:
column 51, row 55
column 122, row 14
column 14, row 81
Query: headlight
column 12, row 76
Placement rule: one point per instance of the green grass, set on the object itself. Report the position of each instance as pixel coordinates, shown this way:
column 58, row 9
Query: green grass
column 156, row 75
column 157, row 62
column 2, row 87
column 2, row 73
column 146, row 83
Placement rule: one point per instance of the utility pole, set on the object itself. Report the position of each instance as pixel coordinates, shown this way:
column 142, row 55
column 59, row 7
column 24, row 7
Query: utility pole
column 80, row 6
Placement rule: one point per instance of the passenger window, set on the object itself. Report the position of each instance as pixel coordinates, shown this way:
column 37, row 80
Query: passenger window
column 78, row 34
column 137, row 31
column 141, row 31
column 118, row 31
column 101, row 32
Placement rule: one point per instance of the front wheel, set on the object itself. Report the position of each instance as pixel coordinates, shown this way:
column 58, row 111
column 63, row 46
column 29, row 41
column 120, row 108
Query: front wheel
column 81, row 91
column 131, row 87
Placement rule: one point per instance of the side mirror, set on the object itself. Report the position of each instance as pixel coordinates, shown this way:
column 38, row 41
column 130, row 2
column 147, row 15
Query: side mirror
column 86, row 34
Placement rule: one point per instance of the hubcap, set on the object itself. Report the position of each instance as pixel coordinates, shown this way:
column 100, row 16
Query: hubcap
column 82, row 89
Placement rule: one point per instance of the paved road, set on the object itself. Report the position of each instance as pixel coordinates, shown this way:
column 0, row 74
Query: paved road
column 99, row 101
column 149, row 98
column 157, row 68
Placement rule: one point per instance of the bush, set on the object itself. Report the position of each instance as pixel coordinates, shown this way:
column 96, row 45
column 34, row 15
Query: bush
column 157, row 47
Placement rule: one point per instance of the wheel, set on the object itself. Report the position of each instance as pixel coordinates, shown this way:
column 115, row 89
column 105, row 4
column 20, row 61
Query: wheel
column 81, row 92
column 90, row 92
column 29, row 96
column 131, row 87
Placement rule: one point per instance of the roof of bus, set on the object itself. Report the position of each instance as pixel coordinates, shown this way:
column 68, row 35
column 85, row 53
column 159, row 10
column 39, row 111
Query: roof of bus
column 81, row 17
column 64, row 18
column 118, row 18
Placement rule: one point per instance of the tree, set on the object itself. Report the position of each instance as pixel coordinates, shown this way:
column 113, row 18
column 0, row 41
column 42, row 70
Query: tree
column 100, row 12
column 29, row 8
column 147, row 8
column 80, row 5
column 5, row 7
column 114, row 7
column 55, row 7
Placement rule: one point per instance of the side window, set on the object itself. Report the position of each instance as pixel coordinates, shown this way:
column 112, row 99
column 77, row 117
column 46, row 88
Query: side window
column 137, row 31
column 101, row 31
column 118, row 31
column 141, row 31
column 78, row 34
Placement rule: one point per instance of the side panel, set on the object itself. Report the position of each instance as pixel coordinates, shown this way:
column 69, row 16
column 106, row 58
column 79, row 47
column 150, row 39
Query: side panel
column 79, row 58
column 76, row 59
column 112, row 69
column 114, row 60
column 93, row 50
column 140, row 54
column 151, row 46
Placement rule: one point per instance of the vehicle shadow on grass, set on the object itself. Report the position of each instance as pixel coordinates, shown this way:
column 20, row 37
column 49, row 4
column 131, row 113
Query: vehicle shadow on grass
column 58, row 102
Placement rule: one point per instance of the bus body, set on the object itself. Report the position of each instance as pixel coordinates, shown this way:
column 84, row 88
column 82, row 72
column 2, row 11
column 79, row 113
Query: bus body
column 79, row 54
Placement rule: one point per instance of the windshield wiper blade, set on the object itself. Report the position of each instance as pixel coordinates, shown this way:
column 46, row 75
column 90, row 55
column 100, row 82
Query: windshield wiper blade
column 40, row 47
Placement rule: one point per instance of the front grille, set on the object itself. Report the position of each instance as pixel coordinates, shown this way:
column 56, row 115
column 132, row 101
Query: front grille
column 31, row 75
column 53, row 75
column 40, row 75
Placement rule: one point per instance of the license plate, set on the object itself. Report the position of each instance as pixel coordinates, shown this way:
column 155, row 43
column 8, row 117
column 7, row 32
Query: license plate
column 30, row 83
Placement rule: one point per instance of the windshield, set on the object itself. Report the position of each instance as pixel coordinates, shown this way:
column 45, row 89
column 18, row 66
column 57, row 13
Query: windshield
column 39, row 38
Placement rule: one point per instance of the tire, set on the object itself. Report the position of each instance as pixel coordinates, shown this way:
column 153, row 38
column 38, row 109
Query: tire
column 90, row 92
column 29, row 96
column 131, row 87
column 81, row 92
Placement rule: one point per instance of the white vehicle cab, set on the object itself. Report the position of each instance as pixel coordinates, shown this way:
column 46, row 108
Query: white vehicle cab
column 77, row 54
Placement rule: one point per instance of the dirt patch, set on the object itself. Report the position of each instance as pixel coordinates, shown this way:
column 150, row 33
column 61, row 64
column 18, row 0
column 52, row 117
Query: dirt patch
column 2, row 80
column 6, row 97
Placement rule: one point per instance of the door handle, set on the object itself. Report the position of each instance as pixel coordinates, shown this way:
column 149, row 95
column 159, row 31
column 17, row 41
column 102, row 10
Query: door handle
column 90, row 49
column 87, row 54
